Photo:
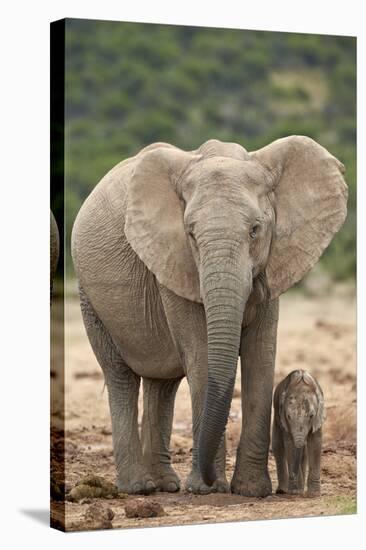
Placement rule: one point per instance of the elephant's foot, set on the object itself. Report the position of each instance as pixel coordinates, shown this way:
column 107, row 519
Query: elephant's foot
column 136, row 480
column 295, row 491
column 196, row 485
column 165, row 478
column 221, row 485
column 252, row 484
column 295, row 487
column 313, row 490
column 312, row 494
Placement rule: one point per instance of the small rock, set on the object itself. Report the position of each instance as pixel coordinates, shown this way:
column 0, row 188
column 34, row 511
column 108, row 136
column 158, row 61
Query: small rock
column 144, row 509
column 86, row 501
column 98, row 516
column 93, row 487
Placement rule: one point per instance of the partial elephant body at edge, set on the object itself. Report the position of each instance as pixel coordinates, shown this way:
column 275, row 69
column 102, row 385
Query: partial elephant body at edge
column 54, row 249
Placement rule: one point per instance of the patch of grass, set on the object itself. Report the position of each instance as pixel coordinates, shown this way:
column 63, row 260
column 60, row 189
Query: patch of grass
column 343, row 505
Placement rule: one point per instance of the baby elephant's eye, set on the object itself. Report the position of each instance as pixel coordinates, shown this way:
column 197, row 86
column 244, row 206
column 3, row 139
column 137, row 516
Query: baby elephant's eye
column 253, row 232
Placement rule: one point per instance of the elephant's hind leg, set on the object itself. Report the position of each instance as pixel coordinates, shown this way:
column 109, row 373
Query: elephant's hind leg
column 157, row 420
column 123, row 389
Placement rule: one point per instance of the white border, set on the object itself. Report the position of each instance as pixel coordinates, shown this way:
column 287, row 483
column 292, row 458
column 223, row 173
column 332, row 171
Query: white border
column 24, row 225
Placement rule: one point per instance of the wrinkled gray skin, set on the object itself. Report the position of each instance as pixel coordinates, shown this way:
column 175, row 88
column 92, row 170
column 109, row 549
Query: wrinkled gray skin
column 297, row 433
column 54, row 249
column 181, row 257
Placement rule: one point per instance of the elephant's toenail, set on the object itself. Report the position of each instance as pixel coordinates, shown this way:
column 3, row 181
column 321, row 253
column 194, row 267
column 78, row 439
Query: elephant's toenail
column 172, row 487
column 150, row 486
column 136, row 488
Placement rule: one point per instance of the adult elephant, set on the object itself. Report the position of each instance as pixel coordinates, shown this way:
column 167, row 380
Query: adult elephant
column 181, row 257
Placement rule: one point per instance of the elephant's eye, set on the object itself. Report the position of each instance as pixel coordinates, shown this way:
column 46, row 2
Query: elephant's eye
column 253, row 231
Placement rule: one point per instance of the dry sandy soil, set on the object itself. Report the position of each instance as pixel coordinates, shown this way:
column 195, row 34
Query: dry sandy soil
column 315, row 333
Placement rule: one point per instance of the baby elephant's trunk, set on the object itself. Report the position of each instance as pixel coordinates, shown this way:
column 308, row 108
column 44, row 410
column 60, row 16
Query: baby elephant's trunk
column 297, row 462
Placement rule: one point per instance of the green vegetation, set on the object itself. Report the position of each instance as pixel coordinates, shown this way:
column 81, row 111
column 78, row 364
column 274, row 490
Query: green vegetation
column 342, row 505
column 130, row 84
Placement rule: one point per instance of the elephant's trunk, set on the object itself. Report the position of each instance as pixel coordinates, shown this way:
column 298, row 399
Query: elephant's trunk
column 297, row 461
column 226, row 285
column 299, row 438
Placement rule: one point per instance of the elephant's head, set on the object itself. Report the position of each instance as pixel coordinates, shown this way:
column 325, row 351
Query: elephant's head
column 218, row 224
column 301, row 406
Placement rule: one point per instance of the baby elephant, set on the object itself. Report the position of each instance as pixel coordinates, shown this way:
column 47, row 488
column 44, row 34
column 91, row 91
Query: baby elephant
column 297, row 432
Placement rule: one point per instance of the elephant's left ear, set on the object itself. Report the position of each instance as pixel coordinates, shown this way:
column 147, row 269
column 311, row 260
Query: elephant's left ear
column 310, row 203
column 321, row 414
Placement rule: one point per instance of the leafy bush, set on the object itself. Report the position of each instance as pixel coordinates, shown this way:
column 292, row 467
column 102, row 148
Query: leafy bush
column 129, row 84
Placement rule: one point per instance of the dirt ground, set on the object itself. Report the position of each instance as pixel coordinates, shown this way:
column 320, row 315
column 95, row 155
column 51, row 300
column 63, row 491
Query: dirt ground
column 315, row 333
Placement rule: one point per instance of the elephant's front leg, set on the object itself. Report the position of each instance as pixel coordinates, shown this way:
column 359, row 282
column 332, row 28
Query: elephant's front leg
column 258, row 351
column 295, row 469
column 278, row 449
column 314, row 458
column 187, row 322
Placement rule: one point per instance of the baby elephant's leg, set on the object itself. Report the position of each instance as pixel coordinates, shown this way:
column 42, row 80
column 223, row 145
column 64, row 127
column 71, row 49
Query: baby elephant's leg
column 278, row 449
column 314, row 456
column 302, row 470
column 123, row 389
column 294, row 462
column 157, row 420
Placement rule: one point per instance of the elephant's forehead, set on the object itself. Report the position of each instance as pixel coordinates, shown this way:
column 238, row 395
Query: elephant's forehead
column 222, row 170
column 301, row 399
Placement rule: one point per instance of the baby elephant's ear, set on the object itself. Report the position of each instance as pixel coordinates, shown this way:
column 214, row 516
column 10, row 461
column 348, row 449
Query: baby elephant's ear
column 310, row 202
column 320, row 415
column 154, row 219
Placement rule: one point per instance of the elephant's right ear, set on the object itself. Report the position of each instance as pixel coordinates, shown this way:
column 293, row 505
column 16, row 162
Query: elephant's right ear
column 282, row 390
column 154, row 220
